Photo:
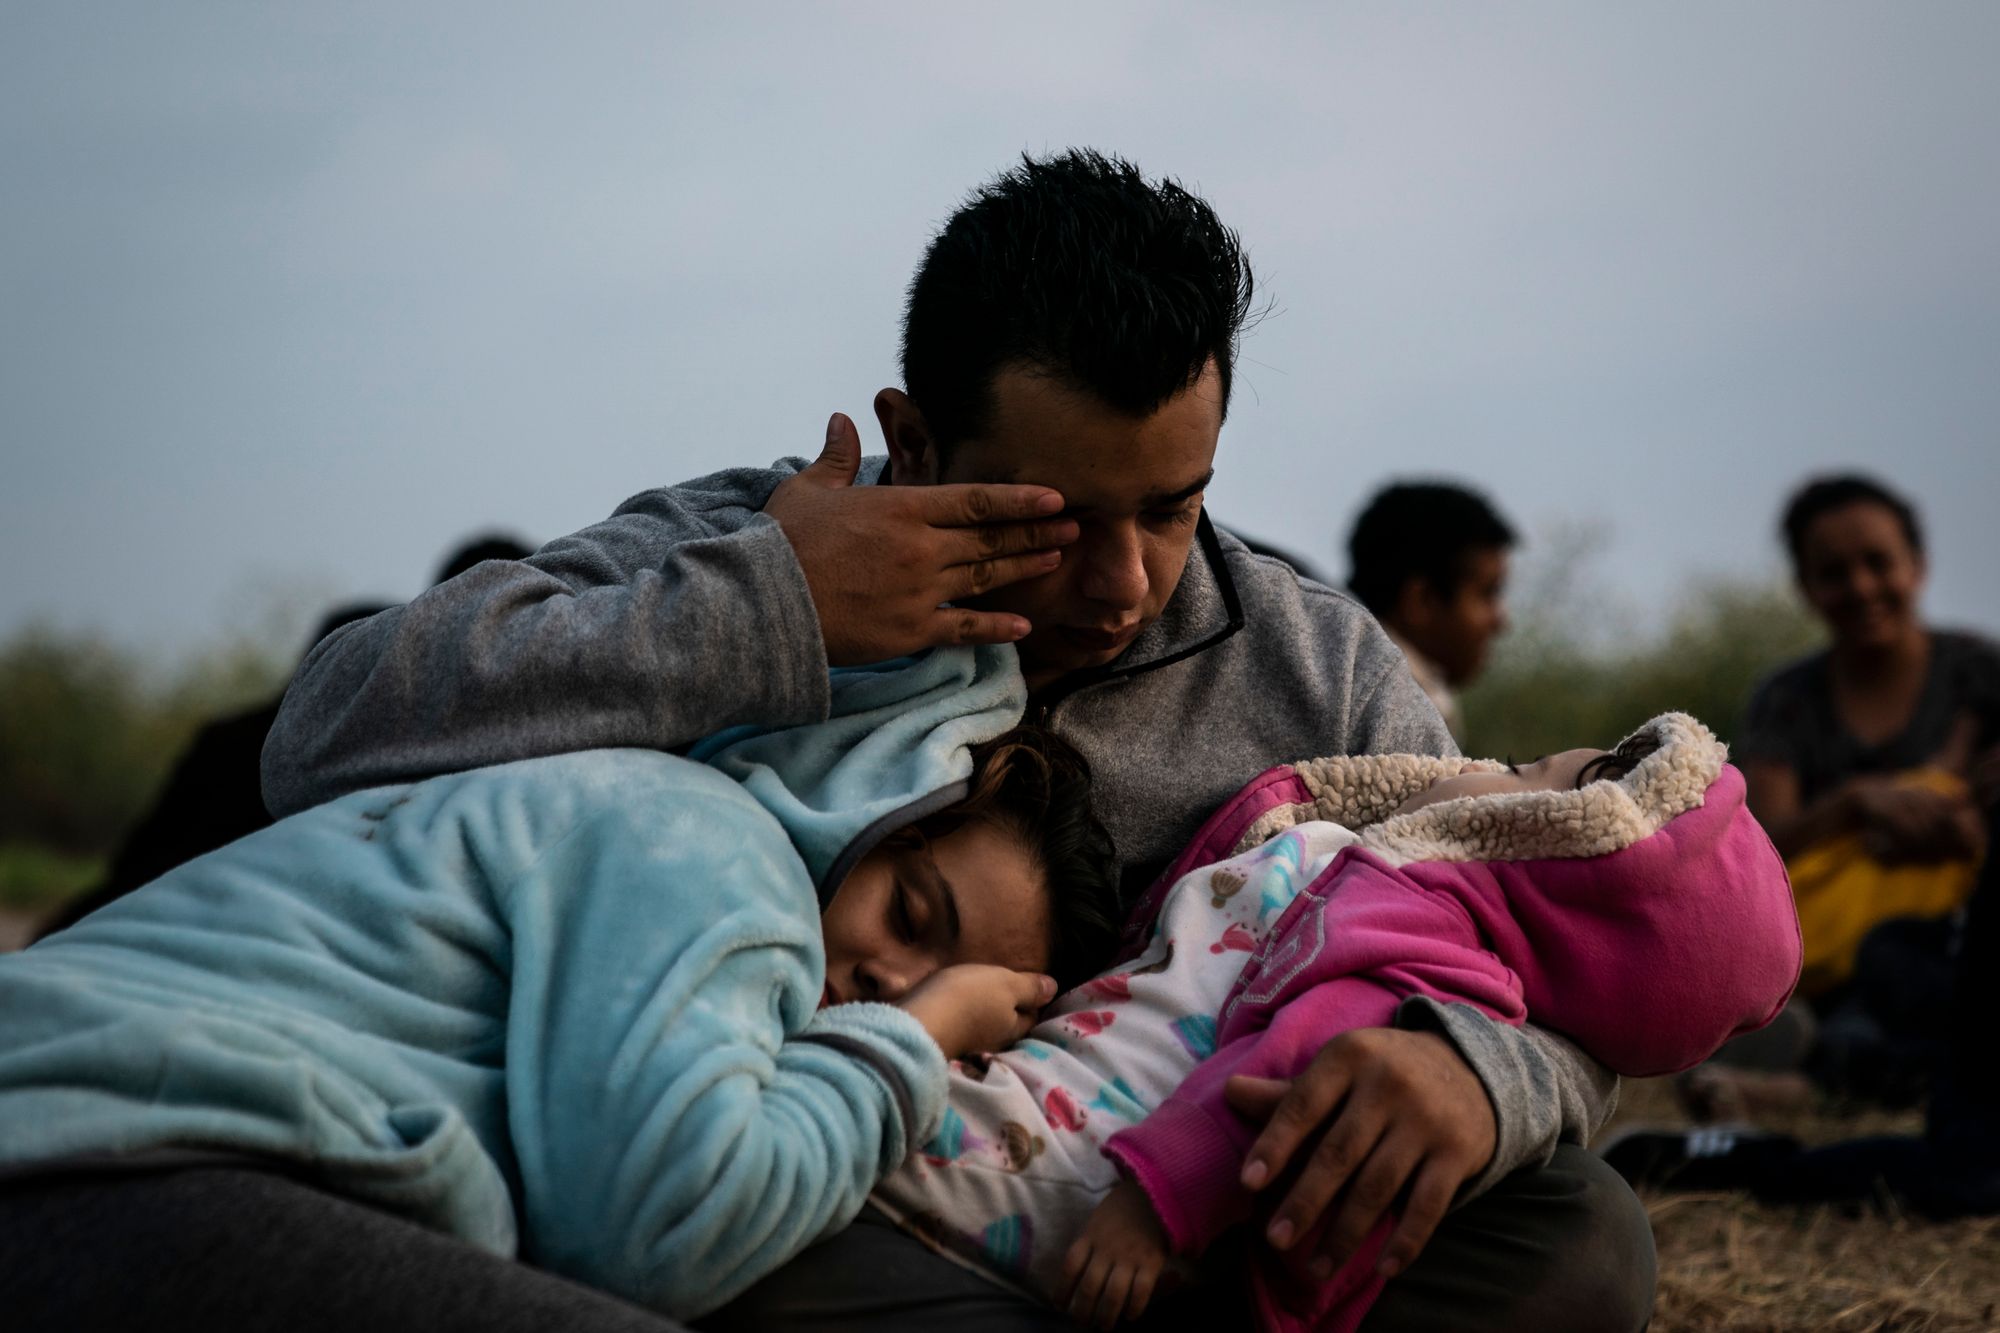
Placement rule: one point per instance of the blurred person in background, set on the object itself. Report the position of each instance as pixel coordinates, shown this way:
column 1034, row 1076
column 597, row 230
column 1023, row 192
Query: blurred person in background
column 1430, row 560
column 1866, row 762
column 214, row 794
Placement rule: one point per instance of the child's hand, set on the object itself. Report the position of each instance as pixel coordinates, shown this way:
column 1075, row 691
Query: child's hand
column 973, row 1007
column 1115, row 1263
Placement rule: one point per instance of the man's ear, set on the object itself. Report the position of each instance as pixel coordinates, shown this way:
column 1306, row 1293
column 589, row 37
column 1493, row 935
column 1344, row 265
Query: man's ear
column 1415, row 608
column 913, row 455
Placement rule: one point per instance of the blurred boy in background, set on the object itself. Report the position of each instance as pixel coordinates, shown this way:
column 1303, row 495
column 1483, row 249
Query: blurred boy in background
column 1430, row 560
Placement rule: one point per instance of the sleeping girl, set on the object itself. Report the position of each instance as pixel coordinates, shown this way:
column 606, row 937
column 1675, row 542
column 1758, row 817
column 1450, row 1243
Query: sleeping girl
column 649, row 1022
column 1625, row 898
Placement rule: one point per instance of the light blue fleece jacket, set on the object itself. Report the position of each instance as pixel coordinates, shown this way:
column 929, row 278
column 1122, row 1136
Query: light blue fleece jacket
column 565, row 1007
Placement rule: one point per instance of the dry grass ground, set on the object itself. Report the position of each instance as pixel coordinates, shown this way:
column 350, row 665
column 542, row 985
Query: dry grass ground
column 1727, row 1263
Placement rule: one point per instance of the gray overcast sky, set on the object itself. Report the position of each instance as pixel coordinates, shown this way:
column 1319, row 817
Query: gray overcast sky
column 292, row 297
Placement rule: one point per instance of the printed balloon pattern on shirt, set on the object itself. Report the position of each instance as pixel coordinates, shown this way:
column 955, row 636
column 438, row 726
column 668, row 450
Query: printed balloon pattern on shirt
column 1019, row 1155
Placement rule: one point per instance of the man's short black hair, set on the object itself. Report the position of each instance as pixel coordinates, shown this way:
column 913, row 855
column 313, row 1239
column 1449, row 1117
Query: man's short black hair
column 1080, row 267
column 1425, row 529
column 1823, row 495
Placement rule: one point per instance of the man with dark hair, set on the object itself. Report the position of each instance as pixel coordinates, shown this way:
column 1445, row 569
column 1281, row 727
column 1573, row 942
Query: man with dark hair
column 1430, row 560
column 1068, row 352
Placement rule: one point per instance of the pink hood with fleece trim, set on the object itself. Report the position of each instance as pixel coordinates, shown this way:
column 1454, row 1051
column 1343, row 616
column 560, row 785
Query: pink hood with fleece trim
column 1651, row 956
column 1649, row 918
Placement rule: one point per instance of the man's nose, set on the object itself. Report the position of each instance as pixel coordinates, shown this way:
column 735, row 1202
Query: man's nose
column 1114, row 568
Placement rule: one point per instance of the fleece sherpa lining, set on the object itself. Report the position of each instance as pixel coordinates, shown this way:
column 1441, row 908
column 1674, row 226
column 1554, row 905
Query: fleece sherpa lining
column 1362, row 792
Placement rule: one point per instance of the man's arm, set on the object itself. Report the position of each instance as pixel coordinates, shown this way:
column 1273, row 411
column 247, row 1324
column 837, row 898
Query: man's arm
column 1445, row 1107
column 1543, row 1089
column 691, row 609
column 683, row 613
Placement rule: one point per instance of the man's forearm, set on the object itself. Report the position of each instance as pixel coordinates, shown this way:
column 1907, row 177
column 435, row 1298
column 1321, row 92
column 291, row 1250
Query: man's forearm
column 581, row 647
column 1544, row 1089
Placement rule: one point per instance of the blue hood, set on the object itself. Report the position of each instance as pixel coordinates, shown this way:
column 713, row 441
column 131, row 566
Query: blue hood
column 892, row 749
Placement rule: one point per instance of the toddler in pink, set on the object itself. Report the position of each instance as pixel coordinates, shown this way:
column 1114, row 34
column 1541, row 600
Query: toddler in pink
column 1627, row 900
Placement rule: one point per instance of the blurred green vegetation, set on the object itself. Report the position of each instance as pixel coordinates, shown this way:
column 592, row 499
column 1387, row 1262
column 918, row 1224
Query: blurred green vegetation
column 87, row 732
column 32, row 876
column 1582, row 668
column 88, row 729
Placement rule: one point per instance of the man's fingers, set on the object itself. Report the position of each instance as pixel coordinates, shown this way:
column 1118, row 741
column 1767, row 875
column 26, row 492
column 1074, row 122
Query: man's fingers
column 962, row 581
column 1253, row 1097
column 1349, row 1141
column 955, row 624
column 840, row 458
column 1142, row 1293
column 1430, row 1198
column 1075, row 1258
column 1083, row 1295
column 1111, row 1301
column 1299, row 1114
column 989, row 541
column 965, row 504
column 1368, row 1198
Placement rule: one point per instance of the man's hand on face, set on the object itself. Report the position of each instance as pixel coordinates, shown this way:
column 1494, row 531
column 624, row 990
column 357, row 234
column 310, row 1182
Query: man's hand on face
column 1396, row 1115
column 880, row 560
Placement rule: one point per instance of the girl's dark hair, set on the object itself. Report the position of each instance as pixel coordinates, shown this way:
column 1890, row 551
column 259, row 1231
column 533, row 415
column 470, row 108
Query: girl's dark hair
column 1616, row 763
column 1035, row 786
column 1079, row 267
column 1823, row 495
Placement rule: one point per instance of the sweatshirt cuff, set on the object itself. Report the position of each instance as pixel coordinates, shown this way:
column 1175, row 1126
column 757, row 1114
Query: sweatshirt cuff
column 1532, row 1110
column 1190, row 1168
column 895, row 1046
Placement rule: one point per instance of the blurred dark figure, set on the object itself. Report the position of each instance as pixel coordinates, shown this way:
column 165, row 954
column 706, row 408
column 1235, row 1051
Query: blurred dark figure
column 214, row 794
column 1298, row 562
column 486, row 546
column 212, row 797
column 1430, row 560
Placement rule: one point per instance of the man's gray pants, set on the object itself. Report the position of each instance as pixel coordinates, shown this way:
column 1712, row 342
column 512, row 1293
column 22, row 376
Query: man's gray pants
column 1564, row 1247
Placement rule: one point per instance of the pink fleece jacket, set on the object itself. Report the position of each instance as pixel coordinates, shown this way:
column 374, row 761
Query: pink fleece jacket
column 1649, row 957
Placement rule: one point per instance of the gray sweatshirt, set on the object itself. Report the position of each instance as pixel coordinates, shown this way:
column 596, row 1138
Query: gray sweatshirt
column 686, row 612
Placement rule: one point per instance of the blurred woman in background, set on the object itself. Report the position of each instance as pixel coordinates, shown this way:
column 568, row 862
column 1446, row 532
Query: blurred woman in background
column 1873, row 766
column 1867, row 762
